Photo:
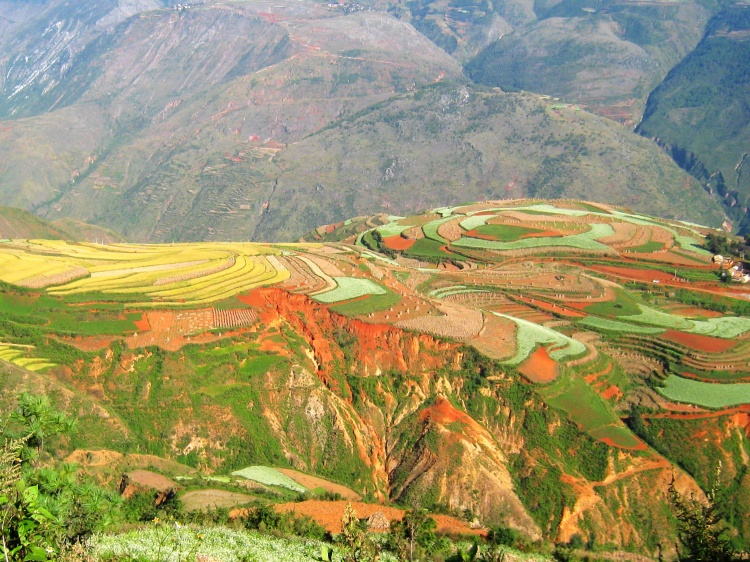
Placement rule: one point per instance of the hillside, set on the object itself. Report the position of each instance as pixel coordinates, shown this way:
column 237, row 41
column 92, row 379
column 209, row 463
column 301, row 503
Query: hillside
column 17, row 223
column 449, row 143
column 160, row 143
column 699, row 114
column 198, row 123
column 459, row 368
column 604, row 54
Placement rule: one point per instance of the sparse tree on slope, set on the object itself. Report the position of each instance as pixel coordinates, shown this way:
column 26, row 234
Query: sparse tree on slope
column 700, row 529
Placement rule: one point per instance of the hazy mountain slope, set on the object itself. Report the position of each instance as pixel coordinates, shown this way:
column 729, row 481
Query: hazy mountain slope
column 448, row 144
column 167, row 124
column 701, row 112
column 607, row 55
column 50, row 50
column 17, row 223
column 189, row 107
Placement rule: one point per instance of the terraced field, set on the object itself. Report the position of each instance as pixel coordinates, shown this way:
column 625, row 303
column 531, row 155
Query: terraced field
column 563, row 294
column 142, row 275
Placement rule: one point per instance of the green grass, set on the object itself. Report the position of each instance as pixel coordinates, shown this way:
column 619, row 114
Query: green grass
column 623, row 305
column 426, row 248
column 261, row 365
column 583, row 404
column 505, row 232
column 218, row 389
column 586, row 408
column 57, row 316
column 710, row 395
column 371, row 303
column 582, row 241
column 648, row 247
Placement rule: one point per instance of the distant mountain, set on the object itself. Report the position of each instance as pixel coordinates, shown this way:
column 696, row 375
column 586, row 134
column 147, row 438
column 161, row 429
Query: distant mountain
column 178, row 129
column 204, row 121
column 608, row 55
column 17, row 223
column 448, row 144
column 701, row 112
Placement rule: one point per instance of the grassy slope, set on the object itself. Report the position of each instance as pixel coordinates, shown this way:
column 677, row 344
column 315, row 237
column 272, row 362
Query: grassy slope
column 607, row 55
column 19, row 224
column 224, row 110
column 450, row 143
column 700, row 111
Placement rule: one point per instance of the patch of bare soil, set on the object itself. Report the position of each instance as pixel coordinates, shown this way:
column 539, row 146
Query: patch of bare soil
column 329, row 515
column 149, row 479
column 212, row 499
column 312, row 482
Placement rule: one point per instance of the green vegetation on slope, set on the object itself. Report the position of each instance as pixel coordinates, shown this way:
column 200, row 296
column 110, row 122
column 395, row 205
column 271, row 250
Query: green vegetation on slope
column 700, row 112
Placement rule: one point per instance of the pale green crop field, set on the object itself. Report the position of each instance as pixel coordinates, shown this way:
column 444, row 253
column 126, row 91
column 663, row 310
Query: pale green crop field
column 710, row 395
column 269, row 477
column 350, row 288
column 529, row 335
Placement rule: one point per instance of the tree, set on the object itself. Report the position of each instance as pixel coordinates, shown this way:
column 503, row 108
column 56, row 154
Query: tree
column 25, row 526
column 36, row 418
column 717, row 244
column 43, row 508
column 413, row 536
column 700, row 529
column 357, row 545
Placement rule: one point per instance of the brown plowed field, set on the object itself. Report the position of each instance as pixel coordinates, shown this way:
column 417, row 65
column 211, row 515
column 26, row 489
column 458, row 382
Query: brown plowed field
column 92, row 343
column 398, row 243
column 691, row 311
column 212, row 499
column 312, row 482
column 701, row 343
column 552, row 307
column 329, row 515
column 539, row 367
column 645, row 275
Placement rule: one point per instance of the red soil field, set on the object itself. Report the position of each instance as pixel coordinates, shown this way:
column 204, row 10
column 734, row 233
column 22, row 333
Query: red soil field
column 92, row 343
column 701, row 343
column 142, row 324
column 612, row 392
column 539, row 367
column 398, row 243
column 608, row 441
column 646, row 275
column 556, row 308
column 329, row 515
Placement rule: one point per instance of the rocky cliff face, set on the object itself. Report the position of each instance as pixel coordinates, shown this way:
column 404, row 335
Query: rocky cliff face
column 396, row 415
